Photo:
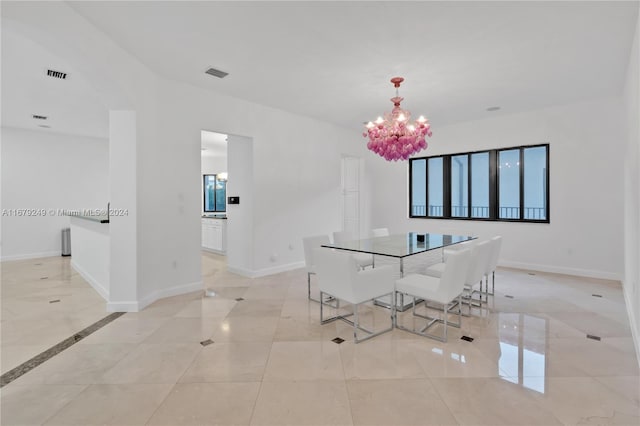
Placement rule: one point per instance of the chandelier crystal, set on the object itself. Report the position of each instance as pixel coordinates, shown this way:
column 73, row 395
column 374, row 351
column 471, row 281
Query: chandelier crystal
column 394, row 137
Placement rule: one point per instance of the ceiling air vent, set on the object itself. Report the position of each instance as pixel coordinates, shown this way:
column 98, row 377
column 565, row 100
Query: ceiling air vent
column 57, row 74
column 216, row 73
column 39, row 117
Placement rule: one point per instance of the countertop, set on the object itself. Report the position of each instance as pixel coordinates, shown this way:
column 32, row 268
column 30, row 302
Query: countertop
column 97, row 218
column 214, row 216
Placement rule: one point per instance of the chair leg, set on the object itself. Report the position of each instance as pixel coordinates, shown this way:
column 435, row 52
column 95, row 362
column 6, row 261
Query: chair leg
column 393, row 309
column 321, row 300
column 371, row 333
column 355, row 322
column 394, row 319
column 436, row 319
column 445, row 321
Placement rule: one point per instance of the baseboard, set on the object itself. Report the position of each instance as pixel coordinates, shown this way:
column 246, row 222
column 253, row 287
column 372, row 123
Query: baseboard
column 589, row 273
column 169, row 292
column 265, row 271
column 97, row 286
column 632, row 320
column 31, row 255
column 214, row 251
column 123, row 307
column 240, row 271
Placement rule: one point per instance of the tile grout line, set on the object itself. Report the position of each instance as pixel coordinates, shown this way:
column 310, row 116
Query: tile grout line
column 173, row 385
column 32, row 363
column 266, row 364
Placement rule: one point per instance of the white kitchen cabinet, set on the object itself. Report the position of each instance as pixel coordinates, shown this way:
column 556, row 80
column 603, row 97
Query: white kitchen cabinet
column 214, row 234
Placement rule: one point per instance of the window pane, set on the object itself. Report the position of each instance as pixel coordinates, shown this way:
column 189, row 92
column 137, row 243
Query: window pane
column 418, row 187
column 535, row 183
column 509, row 184
column 435, row 187
column 209, row 194
column 480, row 184
column 459, row 185
column 221, row 195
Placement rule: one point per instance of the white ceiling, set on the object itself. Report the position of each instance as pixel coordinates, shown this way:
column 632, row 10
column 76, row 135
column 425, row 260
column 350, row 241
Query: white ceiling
column 72, row 105
column 333, row 60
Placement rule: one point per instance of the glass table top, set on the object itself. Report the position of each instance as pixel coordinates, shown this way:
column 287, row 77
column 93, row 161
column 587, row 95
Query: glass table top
column 401, row 245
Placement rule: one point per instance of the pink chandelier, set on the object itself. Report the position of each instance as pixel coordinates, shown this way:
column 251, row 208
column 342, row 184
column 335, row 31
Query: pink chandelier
column 393, row 137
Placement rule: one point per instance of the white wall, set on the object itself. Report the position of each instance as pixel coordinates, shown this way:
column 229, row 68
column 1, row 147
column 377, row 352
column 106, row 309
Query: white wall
column 632, row 190
column 122, row 83
column 240, row 216
column 213, row 164
column 48, row 171
column 295, row 174
column 123, row 229
column 92, row 256
column 586, row 154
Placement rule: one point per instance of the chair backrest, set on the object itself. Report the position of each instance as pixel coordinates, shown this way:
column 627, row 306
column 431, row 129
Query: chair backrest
column 495, row 254
column 469, row 244
column 336, row 271
column 465, row 244
column 309, row 244
column 454, row 275
column 340, row 237
column 380, row 232
column 480, row 256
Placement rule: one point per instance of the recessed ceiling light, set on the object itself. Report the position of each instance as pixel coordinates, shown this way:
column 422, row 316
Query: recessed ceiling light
column 493, row 108
column 216, row 73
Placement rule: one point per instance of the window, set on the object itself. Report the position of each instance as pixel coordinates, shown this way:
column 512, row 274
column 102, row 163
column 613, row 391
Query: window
column 215, row 193
column 419, row 188
column 510, row 184
column 435, row 187
column 460, row 185
column 480, row 185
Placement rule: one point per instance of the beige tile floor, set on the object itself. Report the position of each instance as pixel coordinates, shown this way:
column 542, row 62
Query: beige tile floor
column 271, row 362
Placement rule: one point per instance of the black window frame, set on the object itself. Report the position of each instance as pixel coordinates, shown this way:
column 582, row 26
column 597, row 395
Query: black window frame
column 215, row 194
column 494, row 190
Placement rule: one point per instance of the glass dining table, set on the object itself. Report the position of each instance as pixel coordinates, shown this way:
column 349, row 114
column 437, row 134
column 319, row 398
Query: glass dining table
column 400, row 246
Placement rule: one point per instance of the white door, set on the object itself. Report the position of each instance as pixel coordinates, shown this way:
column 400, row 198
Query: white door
column 351, row 195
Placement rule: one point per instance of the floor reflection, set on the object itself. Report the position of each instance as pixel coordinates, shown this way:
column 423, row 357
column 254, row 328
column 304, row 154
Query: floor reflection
column 454, row 356
column 523, row 341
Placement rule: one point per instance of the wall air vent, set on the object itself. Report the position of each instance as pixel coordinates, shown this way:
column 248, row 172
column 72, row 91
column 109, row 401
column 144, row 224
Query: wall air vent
column 39, row 117
column 216, row 73
column 57, row 74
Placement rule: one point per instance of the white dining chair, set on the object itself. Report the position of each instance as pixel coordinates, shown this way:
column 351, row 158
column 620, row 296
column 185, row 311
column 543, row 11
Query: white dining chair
column 310, row 244
column 492, row 263
column 340, row 277
column 380, row 232
column 446, row 251
column 362, row 259
column 479, row 258
column 441, row 290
